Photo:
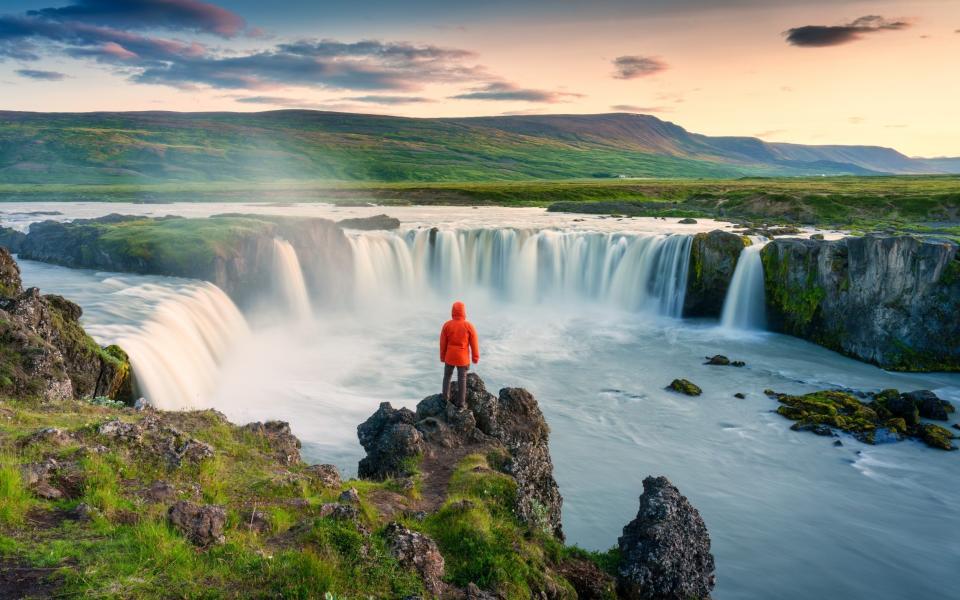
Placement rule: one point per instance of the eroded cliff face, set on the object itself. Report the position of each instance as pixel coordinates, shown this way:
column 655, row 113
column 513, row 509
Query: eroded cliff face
column 890, row 300
column 713, row 259
column 44, row 351
column 233, row 251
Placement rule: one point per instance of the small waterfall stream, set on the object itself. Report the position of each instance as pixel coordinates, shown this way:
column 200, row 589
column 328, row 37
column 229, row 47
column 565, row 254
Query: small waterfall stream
column 289, row 280
column 745, row 305
column 177, row 353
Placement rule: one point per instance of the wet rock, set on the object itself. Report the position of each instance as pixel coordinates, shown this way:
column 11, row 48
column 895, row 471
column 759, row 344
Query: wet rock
column 665, row 550
column 713, row 259
column 740, row 395
column 898, row 405
column 929, row 405
column 327, row 476
column 141, row 404
column 737, row 363
column 936, row 436
column 684, row 386
column 717, row 359
column 837, row 443
column 285, row 445
column 956, row 425
column 814, row 428
column 816, row 236
column 418, row 552
column 687, row 221
column 512, row 421
column 351, row 496
column 202, row 524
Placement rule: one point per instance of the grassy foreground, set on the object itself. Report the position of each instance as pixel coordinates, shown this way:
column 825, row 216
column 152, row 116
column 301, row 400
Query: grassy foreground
column 280, row 538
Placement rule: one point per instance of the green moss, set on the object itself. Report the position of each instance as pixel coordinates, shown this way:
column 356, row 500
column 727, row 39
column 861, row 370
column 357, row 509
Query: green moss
column 936, row 436
column 798, row 303
column 684, row 386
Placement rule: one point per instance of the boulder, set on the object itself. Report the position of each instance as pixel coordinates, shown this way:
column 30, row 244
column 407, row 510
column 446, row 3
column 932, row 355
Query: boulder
column 929, row 406
column 717, row 359
column 277, row 434
column 417, row 552
column 351, row 496
column 202, row 524
column 665, row 550
column 588, row 580
column 936, row 436
column 160, row 492
column 684, row 386
column 327, row 476
column 687, row 221
column 370, row 223
column 512, row 421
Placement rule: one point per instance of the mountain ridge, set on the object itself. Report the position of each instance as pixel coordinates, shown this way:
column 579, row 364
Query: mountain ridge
column 156, row 146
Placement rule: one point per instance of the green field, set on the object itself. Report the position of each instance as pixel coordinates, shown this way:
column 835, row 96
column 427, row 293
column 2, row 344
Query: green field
column 916, row 203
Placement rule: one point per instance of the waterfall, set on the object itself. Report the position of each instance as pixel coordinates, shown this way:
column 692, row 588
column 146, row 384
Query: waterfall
column 745, row 304
column 637, row 272
column 176, row 354
column 289, row 279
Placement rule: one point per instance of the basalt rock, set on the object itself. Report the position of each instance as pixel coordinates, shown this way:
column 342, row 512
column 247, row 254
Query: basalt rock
column 327, row 476
column 202, row 524
column 395, row 439
column 684, row 386
column 713, row 259
column 277, row 434
column 418, row 552
column 665, row 550
column 885, row 299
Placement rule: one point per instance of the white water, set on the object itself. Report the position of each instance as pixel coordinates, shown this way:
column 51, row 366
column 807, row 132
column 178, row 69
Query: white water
column 745, row 304
column 289, row 280
column 637, row 272
column 790, row 515
column 176, row 355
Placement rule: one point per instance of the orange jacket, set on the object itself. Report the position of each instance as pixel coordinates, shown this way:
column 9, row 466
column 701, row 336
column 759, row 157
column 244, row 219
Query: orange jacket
column 458, row 339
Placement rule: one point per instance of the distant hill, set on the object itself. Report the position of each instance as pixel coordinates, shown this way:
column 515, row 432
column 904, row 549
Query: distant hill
column 147, row 147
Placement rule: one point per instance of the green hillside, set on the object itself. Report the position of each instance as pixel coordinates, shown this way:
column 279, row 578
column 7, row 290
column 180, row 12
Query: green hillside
column 156, row 147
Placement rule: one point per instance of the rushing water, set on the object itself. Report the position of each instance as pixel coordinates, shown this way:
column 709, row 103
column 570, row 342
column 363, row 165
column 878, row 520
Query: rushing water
column 289, row 280
column 790, row 515
column 745, row 305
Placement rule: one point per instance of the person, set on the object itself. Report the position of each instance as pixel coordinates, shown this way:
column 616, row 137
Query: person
column 458, row 346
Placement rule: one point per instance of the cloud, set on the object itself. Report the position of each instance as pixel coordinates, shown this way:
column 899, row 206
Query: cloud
column 501, row 91
column 632, row 67
column 818, row 36
column 41, row 75
column 769, row 133
column 389, row 100
column 185, row 15
column 630, row 108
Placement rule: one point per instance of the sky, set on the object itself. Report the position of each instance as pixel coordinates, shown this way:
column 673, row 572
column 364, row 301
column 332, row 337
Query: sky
column 883, row 73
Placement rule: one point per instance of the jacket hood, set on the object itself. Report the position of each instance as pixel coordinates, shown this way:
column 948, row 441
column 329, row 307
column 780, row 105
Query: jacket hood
column 459, row 311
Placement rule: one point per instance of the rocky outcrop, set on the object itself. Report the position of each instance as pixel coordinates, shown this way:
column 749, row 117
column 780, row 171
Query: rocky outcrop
column 45, row 351
column 665, row 550
column 713, row 259
column 234, row 251
column 889, row 300
column 278, row 437
column 395, row 439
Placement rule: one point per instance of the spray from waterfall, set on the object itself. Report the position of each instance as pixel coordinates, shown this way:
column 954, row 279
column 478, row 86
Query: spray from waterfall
column 289, row 279
column 745, row 304
column 636, row 272
column 177, row 353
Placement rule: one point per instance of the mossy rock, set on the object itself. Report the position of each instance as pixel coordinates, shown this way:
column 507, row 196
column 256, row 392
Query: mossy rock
column 936, row 436
column 685, row 386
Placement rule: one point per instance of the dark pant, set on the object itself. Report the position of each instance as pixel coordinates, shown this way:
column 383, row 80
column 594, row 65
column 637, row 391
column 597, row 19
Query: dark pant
column 461, row 383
